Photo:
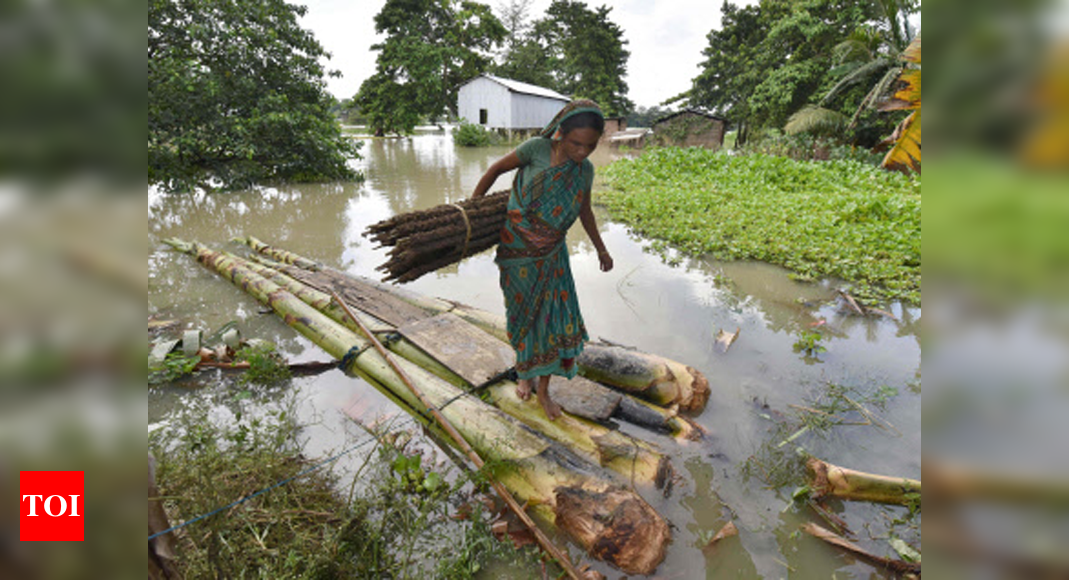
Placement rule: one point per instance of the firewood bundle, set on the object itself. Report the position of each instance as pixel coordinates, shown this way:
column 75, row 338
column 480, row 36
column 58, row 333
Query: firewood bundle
column 426, row 240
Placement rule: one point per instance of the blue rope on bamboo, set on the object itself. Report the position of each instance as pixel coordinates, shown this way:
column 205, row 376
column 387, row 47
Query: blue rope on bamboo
column 349, row 359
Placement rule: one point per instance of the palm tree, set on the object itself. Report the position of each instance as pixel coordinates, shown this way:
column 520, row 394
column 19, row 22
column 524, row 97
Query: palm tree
column 870, row 52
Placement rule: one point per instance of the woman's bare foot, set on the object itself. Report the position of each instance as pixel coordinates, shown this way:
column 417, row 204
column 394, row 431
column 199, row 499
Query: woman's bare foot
column 552, row 409
column 523, row 389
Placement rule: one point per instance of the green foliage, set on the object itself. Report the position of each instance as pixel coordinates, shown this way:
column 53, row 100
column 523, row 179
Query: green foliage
column 809, row 343
column 266, row 365
column 472, row 135
column 645, row 116
column 805, row 147
column 431, row 48
column 575, row 50
column 835, row 218
column 768, row 60
column 175, row 366
column 592, row 60
column 236, row 96
column 392, row 528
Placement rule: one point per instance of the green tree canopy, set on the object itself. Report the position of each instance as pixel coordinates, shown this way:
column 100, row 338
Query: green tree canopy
column 587, row 50
column 431, row 47
column 769, row 60
column 573, row 50
column 236, row 96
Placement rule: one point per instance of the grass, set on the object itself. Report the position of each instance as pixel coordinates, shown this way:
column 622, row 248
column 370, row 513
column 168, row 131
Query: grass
column 403, row 523
column 840, row 219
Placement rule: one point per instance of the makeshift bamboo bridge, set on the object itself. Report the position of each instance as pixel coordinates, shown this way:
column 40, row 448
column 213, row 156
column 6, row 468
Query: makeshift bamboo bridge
column 578, row 474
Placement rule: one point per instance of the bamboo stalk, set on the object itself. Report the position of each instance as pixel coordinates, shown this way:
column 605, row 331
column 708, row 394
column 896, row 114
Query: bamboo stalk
column 548, row 546
column 565, row 490
column 826, row 479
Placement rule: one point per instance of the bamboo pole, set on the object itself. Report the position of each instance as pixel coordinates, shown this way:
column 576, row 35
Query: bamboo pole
column 548, row 546
column 561, row 487
column 826, row 479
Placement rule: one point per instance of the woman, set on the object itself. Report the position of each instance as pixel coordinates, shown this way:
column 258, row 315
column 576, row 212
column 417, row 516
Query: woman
column 551, row 189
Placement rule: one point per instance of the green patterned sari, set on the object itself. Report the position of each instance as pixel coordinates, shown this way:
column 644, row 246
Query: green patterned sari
column 545, row 326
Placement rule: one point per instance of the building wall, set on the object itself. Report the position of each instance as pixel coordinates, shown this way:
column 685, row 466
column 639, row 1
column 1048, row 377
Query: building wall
column 531, row 112
column 613, row 125
column 482, row 93
column 690, row 130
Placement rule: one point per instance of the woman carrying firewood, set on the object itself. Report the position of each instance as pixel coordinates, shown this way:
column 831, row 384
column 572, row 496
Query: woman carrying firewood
column 550, row 190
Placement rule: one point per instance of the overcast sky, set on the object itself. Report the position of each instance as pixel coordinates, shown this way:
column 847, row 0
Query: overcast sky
column 665, row 39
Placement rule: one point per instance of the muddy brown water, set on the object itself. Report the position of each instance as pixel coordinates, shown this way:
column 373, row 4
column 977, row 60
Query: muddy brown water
column 673, row 310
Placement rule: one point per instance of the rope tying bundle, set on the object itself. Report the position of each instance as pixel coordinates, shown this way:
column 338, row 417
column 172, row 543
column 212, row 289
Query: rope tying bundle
column 467, row 224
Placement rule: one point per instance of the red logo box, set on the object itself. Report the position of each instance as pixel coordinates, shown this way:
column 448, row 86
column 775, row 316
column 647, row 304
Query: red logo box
column 51, row 506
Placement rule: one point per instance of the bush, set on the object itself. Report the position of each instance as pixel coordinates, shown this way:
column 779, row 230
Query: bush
column 804, row 147
column 472, row 135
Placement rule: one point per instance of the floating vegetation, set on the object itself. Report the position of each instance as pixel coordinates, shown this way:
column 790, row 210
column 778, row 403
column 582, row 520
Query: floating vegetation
column 841, row 219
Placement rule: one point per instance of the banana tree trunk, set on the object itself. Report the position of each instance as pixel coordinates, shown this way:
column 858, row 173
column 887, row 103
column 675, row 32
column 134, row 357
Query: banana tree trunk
column 566, row 490
column 634, row 459
column 826, row 479
column 656, row 379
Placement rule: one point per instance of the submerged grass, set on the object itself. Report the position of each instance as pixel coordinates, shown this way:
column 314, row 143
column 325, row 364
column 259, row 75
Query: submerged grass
column 397, row 524
column 840, row 219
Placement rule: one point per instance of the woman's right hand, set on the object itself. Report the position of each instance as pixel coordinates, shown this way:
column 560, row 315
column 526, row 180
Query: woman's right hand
column 605, row 260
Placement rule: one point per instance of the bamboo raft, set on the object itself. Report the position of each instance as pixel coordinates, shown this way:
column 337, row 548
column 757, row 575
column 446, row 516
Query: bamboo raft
column 579, row 474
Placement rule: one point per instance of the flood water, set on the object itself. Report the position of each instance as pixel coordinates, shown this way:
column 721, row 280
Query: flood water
column 672, row 310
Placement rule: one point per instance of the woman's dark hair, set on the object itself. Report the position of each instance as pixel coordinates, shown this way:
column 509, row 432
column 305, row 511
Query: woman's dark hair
column 585, row 120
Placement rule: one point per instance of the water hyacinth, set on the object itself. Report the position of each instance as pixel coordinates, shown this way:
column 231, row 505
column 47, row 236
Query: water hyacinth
column 839, row 219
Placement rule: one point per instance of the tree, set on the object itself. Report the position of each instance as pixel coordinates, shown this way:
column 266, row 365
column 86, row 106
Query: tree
column 236, row 96
column 870, row 52
column 526, row 57
column 586, row 53
column 432, row 46
column 768, row 60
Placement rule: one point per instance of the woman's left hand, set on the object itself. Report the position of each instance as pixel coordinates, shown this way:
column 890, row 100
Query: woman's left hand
column 606, row 261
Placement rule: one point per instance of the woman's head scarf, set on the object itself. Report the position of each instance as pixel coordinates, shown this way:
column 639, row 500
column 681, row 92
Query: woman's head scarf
column 573, row 108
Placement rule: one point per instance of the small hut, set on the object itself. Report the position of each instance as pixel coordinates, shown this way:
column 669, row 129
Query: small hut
column 690, row 128
column 507, row 105
column 613, row 125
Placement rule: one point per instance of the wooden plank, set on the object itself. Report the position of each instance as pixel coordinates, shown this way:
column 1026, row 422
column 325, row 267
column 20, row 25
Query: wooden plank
column 584, row 397
column 357, row 294
column 469, row 351
column 477, row 356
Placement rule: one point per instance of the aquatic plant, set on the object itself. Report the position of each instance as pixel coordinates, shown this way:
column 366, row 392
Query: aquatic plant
column 839, row 219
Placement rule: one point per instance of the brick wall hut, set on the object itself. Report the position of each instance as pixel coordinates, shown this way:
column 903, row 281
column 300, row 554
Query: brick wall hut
column 613, row 125
column 690, row 128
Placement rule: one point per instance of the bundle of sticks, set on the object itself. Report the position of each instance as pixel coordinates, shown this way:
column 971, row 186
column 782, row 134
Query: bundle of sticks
column 426, row 240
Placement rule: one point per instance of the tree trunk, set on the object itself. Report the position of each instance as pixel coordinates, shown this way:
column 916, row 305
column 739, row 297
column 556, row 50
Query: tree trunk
column 826, row 479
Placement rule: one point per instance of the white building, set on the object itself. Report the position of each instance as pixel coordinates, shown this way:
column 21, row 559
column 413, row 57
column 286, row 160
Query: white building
column 505, row 104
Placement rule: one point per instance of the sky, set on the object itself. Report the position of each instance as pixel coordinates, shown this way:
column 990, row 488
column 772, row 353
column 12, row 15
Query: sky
column 666, row 40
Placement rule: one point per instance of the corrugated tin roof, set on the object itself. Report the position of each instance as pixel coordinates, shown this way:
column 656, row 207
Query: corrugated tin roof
column 518, row 87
